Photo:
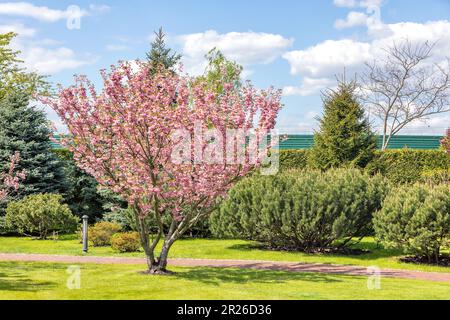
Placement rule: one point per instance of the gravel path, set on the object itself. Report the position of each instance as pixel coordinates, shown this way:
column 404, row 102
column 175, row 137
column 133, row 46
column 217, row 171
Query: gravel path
column 249, row 264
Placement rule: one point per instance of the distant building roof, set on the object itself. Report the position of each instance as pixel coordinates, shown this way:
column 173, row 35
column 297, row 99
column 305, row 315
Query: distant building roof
column 307, row 141
column 397, row 142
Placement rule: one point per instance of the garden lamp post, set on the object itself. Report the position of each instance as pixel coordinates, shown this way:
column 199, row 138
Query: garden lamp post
column 85, row 233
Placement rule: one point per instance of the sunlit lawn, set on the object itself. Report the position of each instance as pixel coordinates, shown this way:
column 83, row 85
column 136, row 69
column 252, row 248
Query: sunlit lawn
column 49, row 281
column 221, row 249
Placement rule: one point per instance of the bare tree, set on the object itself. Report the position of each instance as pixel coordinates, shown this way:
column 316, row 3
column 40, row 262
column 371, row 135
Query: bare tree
column 406, row 85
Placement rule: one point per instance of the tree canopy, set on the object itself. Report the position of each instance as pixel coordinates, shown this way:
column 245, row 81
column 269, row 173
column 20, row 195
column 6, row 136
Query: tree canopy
column 344, row 137
column 13, row 76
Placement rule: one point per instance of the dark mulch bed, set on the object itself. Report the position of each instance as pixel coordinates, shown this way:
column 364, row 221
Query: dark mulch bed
column 444, row 261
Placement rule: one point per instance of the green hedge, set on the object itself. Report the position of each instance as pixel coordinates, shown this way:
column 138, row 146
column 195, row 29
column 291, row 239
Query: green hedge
column 408, row 166
column 399, row 166
column 293, row 159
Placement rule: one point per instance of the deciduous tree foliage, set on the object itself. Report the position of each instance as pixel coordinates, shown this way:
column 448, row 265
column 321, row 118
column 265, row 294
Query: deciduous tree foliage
column 13, row 76
column 124, row 137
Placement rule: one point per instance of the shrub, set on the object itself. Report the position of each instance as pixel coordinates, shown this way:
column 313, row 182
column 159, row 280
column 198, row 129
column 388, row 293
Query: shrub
column 40, row 215
column 406, row 166
column 436, row 176
column 126, row 242
column 305, row 210
column 293, row 159
column 416, row 219
column 101, row 233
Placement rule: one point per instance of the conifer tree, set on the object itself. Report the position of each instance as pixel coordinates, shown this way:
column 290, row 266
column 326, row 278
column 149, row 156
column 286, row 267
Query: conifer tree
column 345, row 137
column 160, row 56
column 25, row 129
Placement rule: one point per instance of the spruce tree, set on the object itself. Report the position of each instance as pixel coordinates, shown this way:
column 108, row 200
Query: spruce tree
column 160, row 56
column 345, row 137
column 25, row 129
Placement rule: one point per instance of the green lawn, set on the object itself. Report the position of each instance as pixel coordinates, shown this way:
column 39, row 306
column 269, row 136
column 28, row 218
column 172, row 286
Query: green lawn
column 221, row 249
column 48, row 281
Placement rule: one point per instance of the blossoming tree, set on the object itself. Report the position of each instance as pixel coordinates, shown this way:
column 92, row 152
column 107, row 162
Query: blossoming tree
column 446, row 142
column 167, row 144
column 9, row 180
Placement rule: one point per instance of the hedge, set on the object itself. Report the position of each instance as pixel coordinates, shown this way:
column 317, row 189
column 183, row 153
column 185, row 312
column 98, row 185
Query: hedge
column 293, row 159
column 399, row 166
column 408, row 166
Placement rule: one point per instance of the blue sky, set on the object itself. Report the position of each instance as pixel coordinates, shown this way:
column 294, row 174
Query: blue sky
column 296, row 45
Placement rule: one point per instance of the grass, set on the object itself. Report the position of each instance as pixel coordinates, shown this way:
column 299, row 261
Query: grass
column 48, row 281
column 222, row 249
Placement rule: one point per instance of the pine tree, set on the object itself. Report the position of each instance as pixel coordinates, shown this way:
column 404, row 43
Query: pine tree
column 345, row 137
column 160, row 56
column 25, row 129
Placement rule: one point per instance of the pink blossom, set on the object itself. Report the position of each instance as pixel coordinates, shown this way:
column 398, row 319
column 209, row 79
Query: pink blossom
column 9, row 180
column 123, row 136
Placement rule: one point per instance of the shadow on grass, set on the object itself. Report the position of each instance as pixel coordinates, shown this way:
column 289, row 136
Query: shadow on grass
column 13, row 277
column 216, row 276
column 376, row 251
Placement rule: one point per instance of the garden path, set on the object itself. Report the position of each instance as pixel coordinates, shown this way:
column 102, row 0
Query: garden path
column 249, row 264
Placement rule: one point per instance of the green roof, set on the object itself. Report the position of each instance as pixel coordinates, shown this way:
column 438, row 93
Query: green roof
column 397, row 142
column 307, row 141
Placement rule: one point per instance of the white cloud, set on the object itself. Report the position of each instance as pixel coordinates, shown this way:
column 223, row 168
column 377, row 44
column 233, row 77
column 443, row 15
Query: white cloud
column 371, row 3
column 328, row 58
column 45, row 56
column 45, row 14
column 353, row 19
column 101, row 8
column 345, row 3
column 355, row 3
column 26, row 9
column 51, row 61
column 19, row 29
column 308, row 87
column 246, row 48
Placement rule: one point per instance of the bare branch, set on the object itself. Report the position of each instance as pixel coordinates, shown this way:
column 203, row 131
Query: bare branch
column 406, row 86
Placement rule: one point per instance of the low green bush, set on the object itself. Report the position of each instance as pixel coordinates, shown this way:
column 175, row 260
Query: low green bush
column 101, row 233
column 4, row 228
column 436, row 176
column 40, row 215
column 126, row 242
column 416, row 219
column 304, row 210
